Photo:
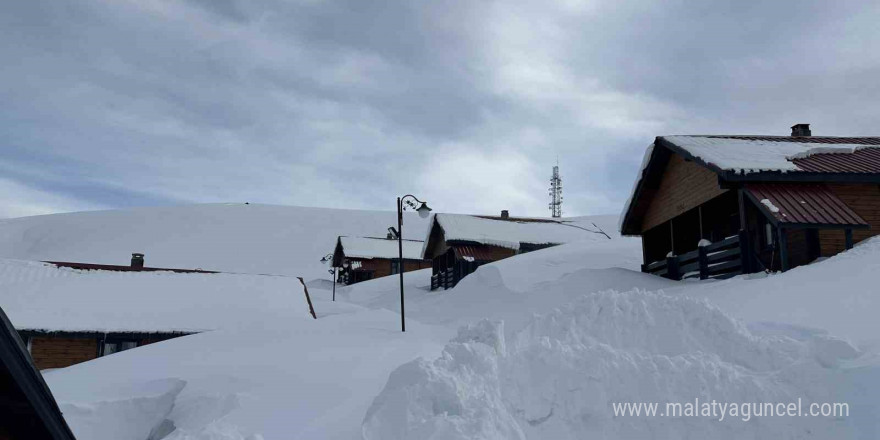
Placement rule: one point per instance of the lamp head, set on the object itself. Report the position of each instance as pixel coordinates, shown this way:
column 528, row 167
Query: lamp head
column 423, row 210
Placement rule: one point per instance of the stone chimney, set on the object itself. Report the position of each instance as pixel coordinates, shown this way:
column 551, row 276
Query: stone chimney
column 800, row 130
column 137, row 260
column 505, row 214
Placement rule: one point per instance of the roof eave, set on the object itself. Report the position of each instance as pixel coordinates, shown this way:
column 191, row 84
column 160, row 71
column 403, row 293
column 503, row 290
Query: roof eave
column 799, row 176
column 628, row 229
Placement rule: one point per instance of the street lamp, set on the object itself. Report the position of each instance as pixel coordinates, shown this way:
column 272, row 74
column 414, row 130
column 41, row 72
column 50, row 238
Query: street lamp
column 423, row 211
column 325, row 259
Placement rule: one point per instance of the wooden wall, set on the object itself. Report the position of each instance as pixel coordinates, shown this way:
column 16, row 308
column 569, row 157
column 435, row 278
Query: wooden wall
column 496, row 253
column 684, row 185
column 862, row 198
column 56, row 352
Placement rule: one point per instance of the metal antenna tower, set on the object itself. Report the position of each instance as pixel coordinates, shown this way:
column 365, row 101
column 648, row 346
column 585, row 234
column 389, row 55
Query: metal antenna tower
column 556, row 192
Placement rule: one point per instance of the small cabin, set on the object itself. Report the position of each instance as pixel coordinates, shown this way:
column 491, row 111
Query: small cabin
column 458, row 244
column 70, row 312
column 365, row 258
column 716, row 206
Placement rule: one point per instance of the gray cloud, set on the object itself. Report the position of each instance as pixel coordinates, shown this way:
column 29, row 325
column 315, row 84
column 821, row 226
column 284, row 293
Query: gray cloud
column 348, row 103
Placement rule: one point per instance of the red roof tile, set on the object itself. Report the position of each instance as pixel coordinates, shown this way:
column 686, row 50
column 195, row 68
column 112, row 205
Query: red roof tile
column 793, row 204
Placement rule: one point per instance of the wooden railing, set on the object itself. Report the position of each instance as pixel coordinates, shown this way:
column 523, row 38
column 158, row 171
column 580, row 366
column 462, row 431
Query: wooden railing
column 445, row 279
column 723, row 259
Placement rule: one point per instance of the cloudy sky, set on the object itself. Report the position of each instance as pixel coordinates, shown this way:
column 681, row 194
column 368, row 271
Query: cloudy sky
column 468, row 104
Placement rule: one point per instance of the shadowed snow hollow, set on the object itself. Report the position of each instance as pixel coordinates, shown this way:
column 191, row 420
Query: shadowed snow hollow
column 559, row 376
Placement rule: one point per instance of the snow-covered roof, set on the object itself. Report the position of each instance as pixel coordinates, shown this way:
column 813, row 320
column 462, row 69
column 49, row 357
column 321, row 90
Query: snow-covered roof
column 372, row 247
column 40, row 296
column 755, row 155
column 741, row 156
column 510, row 233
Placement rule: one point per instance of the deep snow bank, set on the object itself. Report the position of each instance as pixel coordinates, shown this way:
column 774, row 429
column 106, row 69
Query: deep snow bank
column 838, row 295
column 134, row 412
column 558, row 377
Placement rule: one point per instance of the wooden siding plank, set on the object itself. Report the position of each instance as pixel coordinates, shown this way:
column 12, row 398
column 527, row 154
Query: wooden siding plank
column 684, row 186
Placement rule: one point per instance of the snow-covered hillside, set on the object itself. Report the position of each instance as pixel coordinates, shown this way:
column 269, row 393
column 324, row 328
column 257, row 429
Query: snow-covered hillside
column 256, row 239
column 244, row 238
column 535, row 346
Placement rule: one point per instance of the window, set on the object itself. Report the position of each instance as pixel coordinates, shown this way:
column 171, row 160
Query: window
column 395, row 267
column 111, row 347
column 768, row 234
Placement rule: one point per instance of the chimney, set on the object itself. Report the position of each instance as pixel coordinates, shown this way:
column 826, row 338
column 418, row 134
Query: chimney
column 137, row 260
column 505, row 214
column 800, row 130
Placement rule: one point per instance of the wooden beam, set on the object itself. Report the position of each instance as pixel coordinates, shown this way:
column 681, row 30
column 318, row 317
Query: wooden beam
column 700, row 214
column 704, row 262
column 783, row 248
column 308, row 298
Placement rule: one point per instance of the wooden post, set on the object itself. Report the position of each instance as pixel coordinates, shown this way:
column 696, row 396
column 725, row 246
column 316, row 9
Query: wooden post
column 745, row 245
column 848, row 238
column 308, row 298
column 704, row 262
column 783, row 248
column 745, row 252
column 700, row 214
column 672, row 271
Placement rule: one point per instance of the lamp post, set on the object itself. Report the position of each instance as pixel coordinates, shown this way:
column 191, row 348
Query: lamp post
column 329, row 257
column 423, row 211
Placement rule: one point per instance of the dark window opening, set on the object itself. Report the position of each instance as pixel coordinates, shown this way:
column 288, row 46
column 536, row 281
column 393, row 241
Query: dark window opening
column 115, row 346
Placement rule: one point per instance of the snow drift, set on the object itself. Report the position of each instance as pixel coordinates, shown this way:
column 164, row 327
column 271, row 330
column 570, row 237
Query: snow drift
column 128, row 412
column 558, row 377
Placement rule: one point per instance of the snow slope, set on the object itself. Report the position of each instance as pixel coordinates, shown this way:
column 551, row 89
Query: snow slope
column 837, row 295
column 256, row 239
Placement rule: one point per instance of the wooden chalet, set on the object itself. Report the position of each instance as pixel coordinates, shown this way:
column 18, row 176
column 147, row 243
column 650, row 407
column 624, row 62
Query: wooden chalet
column 70, row 313
column 458, row 244
column 56, row 348
column 716, row 206
column 365, row 258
